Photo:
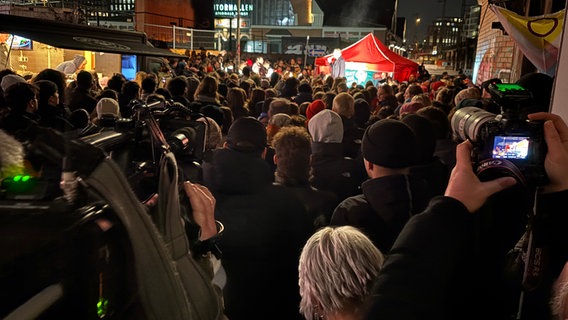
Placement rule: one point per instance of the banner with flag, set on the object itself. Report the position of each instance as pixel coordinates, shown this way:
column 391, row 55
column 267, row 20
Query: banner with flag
column 538, row 37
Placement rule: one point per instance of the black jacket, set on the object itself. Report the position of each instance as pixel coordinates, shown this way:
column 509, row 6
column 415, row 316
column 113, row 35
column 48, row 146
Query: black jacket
column 424, row 275
column 384, row 207
column 265, row 228
column 331, row 171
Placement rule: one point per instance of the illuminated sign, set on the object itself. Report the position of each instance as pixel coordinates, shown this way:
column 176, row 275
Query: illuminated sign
column 230, row 9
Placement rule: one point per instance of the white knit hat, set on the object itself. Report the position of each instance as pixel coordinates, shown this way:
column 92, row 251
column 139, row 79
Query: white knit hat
column 9, row 80
column 108, row 106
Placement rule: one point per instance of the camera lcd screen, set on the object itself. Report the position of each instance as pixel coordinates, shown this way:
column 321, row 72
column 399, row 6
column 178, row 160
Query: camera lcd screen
column 510, row 147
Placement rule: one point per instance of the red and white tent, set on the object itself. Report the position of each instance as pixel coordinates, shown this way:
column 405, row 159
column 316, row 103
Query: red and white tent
column 371, row 55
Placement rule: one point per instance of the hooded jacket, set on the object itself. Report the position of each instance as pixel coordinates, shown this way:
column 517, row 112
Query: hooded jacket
column 384, row 207
column 70, row 66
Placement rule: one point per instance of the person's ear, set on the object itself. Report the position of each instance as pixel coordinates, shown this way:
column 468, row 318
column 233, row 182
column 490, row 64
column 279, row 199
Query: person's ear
column 274, row 158
column 263, row 155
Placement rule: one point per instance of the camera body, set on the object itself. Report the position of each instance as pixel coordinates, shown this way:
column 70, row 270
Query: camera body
column 507, row 144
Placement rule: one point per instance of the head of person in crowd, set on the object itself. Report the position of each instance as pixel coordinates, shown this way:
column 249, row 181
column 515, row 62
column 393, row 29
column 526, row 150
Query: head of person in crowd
column 389, row 147
column 328, row 99
column 213, row 135
column 148, row 85
column 362, row 112
column 10, row 79
column 290, row 88
column 337, row 270
column 21, row 97
column 275, row 123
column 207, row 89
column 469, row 93
column 326, row 127
column 48, row 95
column 247, row 135
column 411, row 91
column 313, row 108
column 107, row 109
column 56, row 77
column 410, row 107
column 344, row 105
column 85, row 80
column 116, row 81
column 177, row 86
column 278, row 105
column 425, row 136
column 292, row 146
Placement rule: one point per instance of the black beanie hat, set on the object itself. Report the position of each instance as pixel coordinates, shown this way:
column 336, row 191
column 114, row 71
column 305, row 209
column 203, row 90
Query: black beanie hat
column 247, row 134
column 389, row 143
column 425, row 136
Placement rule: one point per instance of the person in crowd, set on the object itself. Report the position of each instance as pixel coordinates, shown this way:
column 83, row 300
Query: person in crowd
column 130, row 91
column 338, row 266
column 304, row 93
column 275, row 123
column 206, row 94
column 21, row 99
column 445, row 148
column 148, row 87
column 409, row 92
column 361, row 114
column 9, row 79
column 427, row 166
column 290, row 89
column 178, row 90
column 331, row 170
column 391, row 195
column 72, row 66
column 438, row 242
column 313, row 108
column 237, row 101
column 344, row 106
column 81, row 121
column 278, row 105
column 5, row 49
column 257, row 96
column 337, row 63
column 52, row 114
column 260, row 253
column 56, row 77
column 116, row 81
column 81, row 96
column 444, row 100
column 292, row 146
column 107, row 111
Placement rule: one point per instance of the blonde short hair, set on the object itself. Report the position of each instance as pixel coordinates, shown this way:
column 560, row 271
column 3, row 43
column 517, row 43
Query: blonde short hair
column 344, row 104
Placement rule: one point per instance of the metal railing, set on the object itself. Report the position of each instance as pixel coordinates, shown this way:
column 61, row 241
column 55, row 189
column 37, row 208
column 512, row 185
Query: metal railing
column 184, row 38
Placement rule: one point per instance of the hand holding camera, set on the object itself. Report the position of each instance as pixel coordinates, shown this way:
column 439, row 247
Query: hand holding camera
column 556, row 161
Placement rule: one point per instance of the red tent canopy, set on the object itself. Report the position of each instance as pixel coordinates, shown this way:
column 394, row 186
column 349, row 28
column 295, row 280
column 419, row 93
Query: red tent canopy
column 377, row 57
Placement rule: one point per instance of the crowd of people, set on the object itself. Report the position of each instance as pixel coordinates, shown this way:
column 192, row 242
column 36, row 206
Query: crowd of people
column 339, row 200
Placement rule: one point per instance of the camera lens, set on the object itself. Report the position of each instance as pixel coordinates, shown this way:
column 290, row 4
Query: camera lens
column 466, row 122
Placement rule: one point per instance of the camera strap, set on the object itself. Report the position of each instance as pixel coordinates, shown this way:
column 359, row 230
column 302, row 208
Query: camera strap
column 534, row 257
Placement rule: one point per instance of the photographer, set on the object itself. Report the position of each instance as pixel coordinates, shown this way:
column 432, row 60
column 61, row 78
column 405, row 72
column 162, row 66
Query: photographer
column 424, row 278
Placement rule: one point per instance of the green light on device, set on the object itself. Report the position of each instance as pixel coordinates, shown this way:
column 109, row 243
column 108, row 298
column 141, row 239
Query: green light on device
column 102, row 307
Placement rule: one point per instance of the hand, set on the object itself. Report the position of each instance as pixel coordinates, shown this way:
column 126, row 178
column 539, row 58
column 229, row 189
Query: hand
column 203, row 205
column 556, row 161
column 466, row 187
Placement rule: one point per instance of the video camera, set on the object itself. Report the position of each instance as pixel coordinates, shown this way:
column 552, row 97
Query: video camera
column 80, row 243
column 507, row 144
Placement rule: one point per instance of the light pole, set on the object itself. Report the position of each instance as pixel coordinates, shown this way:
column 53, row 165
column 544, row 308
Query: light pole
column 416, row 33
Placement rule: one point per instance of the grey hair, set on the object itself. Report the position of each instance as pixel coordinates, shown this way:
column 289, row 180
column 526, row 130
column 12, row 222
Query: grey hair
column 337, row 268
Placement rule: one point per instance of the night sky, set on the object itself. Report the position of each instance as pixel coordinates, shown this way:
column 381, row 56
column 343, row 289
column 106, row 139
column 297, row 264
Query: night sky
column 372, row 12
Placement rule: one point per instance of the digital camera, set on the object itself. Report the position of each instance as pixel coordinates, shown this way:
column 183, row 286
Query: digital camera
column 507, row 144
